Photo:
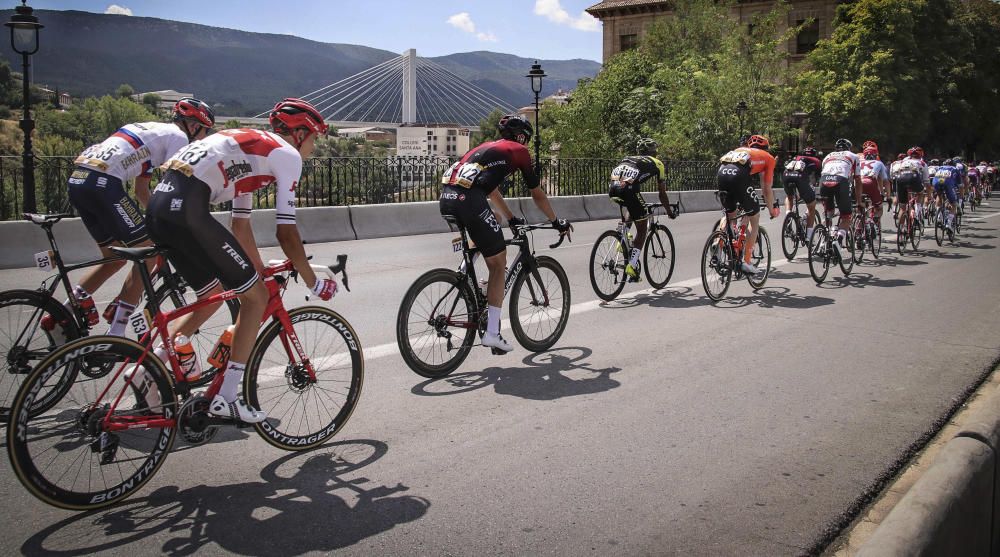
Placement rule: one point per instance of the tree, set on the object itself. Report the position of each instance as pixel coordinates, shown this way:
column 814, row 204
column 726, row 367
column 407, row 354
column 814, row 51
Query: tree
column 232, row 124
column 151, row 101
column 488, row 128
column 124, row 91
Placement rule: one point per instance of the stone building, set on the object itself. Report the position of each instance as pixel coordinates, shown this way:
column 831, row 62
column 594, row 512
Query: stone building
column 626, row 21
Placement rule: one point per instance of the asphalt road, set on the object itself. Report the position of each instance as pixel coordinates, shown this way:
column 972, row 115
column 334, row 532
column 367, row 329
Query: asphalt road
column 659, row 424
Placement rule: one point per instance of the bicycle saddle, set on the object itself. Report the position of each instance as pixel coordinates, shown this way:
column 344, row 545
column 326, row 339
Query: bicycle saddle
column 137, row 254
column 44, row 219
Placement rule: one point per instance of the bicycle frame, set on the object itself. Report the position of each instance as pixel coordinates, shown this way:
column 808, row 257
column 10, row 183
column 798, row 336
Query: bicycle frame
column 275, row 310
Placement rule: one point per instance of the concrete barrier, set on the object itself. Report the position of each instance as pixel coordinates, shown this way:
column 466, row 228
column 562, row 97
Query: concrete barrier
column 984, row 426
column 399, row 219
column 600, row 207
column 326, row 224
column 949, row 511
column 21, row 240
column 698, row 201
column 569, row 207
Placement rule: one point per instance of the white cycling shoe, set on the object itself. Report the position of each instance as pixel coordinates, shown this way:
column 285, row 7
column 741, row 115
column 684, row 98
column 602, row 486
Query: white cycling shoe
column 236, row 410
column 496, row 341
column 748, row 268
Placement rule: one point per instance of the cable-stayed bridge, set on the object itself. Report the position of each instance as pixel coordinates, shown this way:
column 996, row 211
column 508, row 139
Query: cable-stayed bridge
column 403, row 90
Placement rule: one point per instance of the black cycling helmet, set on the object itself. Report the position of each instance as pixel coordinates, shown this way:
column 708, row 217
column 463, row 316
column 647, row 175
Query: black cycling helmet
column 810, row 152
column 949, row 162
column 646, row 146
column 956, row 159
column 843, row 145
column 515, row 128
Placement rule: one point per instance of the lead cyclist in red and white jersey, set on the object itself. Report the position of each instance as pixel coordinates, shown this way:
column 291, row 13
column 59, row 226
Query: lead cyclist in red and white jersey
column 229, row 166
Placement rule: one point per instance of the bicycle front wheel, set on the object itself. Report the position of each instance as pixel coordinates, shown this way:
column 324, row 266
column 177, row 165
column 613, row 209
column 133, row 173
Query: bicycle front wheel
column 761, row 258
column 789, row 237
column 717, row 262
column 303, row 412
column 658, row 256
column 939, row 233
column 858, row 235
column 819, row 254
column 607, row 265
column 65, row 455
column 437, row 323
column 539, row 305
column 917, row 235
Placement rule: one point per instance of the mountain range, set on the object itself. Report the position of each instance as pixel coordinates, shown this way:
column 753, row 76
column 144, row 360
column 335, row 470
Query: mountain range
column 239, row 72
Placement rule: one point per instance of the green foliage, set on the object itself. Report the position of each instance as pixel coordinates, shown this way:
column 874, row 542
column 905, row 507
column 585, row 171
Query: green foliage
column 488, row 128
column 232, row 124
column 91, row 120
column 124, row 91
column 151, row 101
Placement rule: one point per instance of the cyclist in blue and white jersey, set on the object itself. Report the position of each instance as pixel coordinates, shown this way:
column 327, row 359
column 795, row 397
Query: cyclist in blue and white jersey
column 947, row 179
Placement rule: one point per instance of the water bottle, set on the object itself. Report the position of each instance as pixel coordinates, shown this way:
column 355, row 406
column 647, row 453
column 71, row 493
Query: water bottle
column 187, row 359
column 223, row 347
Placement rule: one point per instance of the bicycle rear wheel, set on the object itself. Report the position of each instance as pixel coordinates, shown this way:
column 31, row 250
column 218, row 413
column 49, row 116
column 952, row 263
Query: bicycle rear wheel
column 761, row 258
column 539, row 305
column 717, row 261
column 819, row 254
column 858, row 234
column 917, row 235
column 607, row 265
column 658, row 256
column 64, row 456
column 939, row 233
column 902, row 235
column 789, row 237
column 303, row 413
column 874, row 239
column 847, row 261
column 438, row 310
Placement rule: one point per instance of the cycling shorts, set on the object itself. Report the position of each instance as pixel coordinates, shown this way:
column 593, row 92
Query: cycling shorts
column 907, row 185
column 869, row 187
column 472, row 210
column 734, row 183
column 838, row 190
column 105, row 208
column 799, row 184
column 950, row 190
column 629, row 196
column 202, row 250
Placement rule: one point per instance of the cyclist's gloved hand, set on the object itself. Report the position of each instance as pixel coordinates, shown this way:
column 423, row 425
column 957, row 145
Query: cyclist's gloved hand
column 325, row 288
column 514, row 222
column 671, row 213
column 775, row 211
column 563, row 226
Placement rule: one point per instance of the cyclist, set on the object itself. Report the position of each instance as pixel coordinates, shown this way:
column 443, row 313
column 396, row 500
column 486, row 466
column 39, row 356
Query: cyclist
column 874, row 179
column 97, row 192
column 473, row 180
column 229, row 166
column 893, row 195
column 733, row 178
column 801, row 175
column 626, row 180
column 947, row 178
column 841, row 172
column 963, row 183
column 910, row 175
column 975, row 178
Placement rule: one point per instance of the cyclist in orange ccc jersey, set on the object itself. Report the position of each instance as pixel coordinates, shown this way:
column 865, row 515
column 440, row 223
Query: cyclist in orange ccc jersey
column 735, row 169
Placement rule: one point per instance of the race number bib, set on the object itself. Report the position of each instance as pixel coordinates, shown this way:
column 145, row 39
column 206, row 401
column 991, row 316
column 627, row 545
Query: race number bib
column 43, row 260
column 139, row 323
column 736, row 157
column 624, row 174
column 795, row 166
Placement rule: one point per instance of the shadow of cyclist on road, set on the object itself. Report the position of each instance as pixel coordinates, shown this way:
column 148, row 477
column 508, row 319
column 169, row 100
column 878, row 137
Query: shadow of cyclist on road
column 676, row 297
column 558, row 373
column 303, row 504
column 775, row 296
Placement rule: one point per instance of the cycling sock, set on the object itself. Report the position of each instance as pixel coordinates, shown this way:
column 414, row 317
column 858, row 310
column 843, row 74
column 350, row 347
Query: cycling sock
column 80, row 292
column 493, row 321
column 635, row 257
column 231, row 381
column 122, row 313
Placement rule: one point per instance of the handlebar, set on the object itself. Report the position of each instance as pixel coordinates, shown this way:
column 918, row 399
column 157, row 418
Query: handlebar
column 275, row 266
column 521, row 228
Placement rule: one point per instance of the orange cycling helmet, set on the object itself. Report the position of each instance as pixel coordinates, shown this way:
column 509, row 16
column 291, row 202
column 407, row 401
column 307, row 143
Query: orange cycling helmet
column 869, row 145
column 758, row 141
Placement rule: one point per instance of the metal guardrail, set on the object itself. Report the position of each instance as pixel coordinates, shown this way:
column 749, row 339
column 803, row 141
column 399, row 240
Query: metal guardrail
column 362, row 181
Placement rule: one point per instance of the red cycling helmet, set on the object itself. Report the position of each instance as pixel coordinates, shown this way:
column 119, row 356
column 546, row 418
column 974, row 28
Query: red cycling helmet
column 758, row 141
column 292, row 114
column 194, row 109
column 915, row 152
column 869, row 145
column 810, row 152
column 900, row 156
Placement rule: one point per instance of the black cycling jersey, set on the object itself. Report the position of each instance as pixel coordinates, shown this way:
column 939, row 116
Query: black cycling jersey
column 488, row 165
column 627, row 179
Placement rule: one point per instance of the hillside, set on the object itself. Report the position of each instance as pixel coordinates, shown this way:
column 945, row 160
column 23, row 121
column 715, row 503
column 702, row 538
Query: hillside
column 239, row 72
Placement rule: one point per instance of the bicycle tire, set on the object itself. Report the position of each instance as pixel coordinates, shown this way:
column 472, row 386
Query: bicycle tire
column 607, row 261
column 539, row 284
column 449, row 283
column 72, row 428
column 939, row 234
column 875, row 239
column 858, row 236
column 958, row 223
column 847, row 263
column 819, row 256
column 341, row 353
column 761, row 258
column 21, row 310
column 658, row 249
column 917, row 235
column 790, row 234
column 717, row 258
column 901, row 236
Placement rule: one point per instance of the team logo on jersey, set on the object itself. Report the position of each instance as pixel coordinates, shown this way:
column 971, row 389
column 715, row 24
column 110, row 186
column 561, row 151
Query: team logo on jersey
column 236, row 170
column 102, row 182
column 176, row 204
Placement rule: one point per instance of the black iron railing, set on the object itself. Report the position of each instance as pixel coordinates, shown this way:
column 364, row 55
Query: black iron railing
column 362, row 181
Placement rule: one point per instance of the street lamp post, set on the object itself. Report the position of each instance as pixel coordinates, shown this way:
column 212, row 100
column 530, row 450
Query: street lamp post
column 24, row 40
column 741, row 109
column 535, row 75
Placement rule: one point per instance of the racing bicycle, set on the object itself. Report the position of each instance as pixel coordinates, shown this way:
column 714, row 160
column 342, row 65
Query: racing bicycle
column 611, row 254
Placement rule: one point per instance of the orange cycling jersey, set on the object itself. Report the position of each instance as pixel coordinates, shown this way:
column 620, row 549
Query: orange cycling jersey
column 758, row 159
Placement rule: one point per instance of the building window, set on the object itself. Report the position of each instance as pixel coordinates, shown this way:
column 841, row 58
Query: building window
column 808, row 37
column 628, row 42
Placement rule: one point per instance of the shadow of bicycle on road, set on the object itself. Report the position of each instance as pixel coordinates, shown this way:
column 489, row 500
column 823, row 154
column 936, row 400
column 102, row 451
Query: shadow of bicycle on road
column 558, row 373
column 862, row 280
column 297, row 508
column 676, row 297
column 774, row 296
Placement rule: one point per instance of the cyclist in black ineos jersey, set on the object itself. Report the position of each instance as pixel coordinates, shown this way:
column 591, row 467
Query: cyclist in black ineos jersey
column 466, row 187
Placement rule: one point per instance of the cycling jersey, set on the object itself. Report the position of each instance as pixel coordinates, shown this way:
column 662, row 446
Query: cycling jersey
column 234, row 163
column 841, row 163
column 946, row 180
column 627, row 179
column 799, row 177
column 488, row 165
column 871, row 172
column 733, row 177
column 974, row 176
column 910, row 169
column 758, row 161
column 133, row 150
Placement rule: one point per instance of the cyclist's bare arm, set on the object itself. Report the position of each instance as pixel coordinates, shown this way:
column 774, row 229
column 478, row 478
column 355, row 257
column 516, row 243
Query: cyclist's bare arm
column 661, row 185
column 542, row 200
column 291, row 243
column 857, row 189
column 142, row 190
column 244, row 234
column 501, row 204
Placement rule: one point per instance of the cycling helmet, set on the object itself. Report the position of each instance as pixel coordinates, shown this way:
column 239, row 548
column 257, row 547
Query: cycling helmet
column 843, row 145
column 758, row 141
column 949, row 162
column 192, row 109
column 935, row 162
column 870, row 153
column 810, row 152
column 983, row 163
column 915, row 152
column 956, row 159
column 515, row 128
column 869, row 145
column 900, row 156
column 646, row 146
column 293, row 114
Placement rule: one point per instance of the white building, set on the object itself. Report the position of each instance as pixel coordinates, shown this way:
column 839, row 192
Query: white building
column 168, row 97
column 422, row 140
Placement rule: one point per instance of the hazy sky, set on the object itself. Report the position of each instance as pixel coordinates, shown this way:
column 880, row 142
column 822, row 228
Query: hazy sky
column 552, row 29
